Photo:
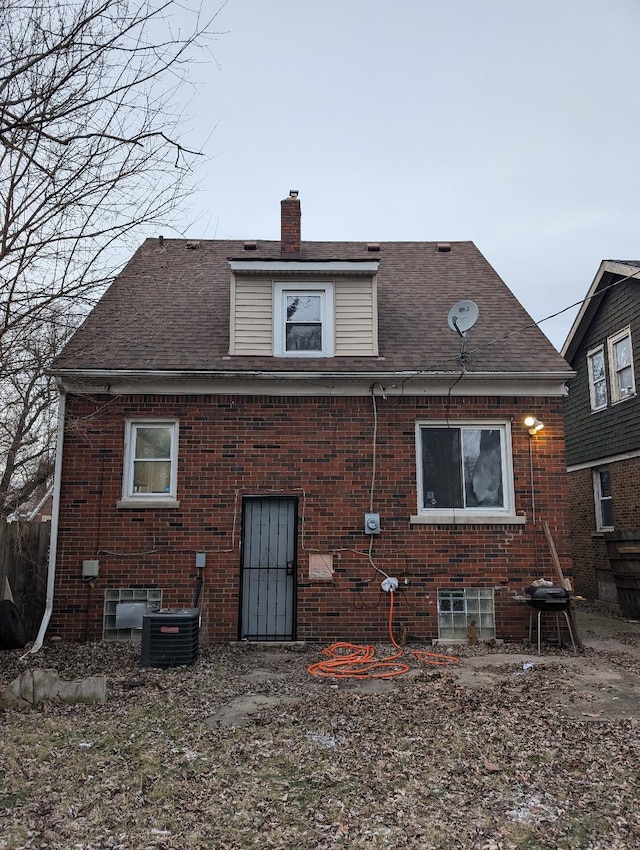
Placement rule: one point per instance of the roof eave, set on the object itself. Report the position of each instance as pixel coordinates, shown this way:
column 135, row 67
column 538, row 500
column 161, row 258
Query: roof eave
column 296, row 266
column 591, row 303
column 410, row 382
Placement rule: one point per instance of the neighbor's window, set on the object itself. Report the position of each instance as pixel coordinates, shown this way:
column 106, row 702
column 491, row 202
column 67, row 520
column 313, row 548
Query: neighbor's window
column 457, row 608
column 464, row 469
column 597, row 378
column 151, row 459
column 303, row 320
column 603, row 500
column 621, row 366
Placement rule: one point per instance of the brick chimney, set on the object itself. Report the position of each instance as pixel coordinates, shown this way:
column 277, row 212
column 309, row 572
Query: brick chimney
column 290, row 231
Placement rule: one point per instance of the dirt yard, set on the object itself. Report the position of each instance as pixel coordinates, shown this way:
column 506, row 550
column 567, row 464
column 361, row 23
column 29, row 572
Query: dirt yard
column 246, row 749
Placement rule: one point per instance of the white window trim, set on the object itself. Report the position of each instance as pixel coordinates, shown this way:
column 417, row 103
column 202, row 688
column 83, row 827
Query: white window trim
column 616, row 396
column 280, row 290
column 131, row 499
column 592, row 392
column 505, row 514
column 598, row 498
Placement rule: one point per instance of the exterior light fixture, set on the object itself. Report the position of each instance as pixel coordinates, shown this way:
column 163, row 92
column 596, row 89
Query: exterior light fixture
column 534, row 425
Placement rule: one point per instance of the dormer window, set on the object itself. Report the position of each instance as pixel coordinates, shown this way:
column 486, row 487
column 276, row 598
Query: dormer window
column 303, row 308
column 303, row 319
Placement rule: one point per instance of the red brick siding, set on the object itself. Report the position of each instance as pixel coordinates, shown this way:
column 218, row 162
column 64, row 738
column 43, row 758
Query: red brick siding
column 319, row 450
column 588, row 548
column 588, row 551
column 290, row 226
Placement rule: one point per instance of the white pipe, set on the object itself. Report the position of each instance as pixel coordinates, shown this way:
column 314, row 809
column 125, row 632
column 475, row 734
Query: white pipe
column 55, row 513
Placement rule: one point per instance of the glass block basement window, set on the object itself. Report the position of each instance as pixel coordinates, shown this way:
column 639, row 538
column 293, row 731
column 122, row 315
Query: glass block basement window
column 456, row 609
column 150, row 596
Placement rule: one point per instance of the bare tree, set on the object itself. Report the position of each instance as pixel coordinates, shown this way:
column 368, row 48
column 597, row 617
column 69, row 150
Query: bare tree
column 92, row 96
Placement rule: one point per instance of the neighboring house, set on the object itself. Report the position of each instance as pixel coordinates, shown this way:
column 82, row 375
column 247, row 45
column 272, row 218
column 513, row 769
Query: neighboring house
column 37, row 508
column 603, row 426
column 235, row 410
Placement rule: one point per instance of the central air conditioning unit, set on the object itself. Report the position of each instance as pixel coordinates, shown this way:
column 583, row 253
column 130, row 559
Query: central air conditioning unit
column 170, row 637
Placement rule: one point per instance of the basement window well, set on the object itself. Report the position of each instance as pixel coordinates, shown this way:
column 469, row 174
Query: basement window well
column 456, row 609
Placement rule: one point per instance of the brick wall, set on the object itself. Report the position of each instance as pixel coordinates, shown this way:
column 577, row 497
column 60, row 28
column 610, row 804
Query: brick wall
column 587, row 546
column 290, row 225
column 319, row 450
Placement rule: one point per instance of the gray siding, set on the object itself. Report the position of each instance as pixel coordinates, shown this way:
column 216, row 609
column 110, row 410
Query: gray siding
column 615, row 430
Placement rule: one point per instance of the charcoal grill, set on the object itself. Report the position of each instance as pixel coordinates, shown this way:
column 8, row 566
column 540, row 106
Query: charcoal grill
column 549, row 598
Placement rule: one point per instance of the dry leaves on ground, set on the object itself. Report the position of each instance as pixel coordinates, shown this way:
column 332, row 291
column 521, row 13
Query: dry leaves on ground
column 423, row 763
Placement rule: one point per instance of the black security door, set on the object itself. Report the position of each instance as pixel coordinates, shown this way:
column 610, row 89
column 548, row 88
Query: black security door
column 268, row 568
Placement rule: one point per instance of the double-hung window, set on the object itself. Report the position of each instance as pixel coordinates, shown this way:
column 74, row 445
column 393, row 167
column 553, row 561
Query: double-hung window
column 621, row 366
column 465, row 472
column 603, row 499
column 597, row 378
column 303, row 320
column 151, row 454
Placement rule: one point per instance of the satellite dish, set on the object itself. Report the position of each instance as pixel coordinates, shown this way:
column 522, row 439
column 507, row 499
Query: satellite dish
column 463, row 316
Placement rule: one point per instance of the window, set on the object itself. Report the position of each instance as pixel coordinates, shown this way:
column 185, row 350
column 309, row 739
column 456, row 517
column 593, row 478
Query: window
column 603, row 500
column 457, row 608
column 150, row 597
column 303, row 320
column 621, row 366
column 597, row 378
column 151, row 460
column 464, row 470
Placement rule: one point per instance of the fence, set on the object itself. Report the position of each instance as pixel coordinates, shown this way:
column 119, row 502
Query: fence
column 24, row 556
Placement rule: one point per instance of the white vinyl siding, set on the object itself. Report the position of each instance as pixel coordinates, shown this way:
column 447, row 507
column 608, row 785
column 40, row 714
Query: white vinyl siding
column 355, row 326
column 354, row 316
column 252, row 319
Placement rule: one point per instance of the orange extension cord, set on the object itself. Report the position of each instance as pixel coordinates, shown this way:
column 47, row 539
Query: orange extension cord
column 354, row 661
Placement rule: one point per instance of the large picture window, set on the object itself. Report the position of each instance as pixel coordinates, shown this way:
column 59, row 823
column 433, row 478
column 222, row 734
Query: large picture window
column 151, row 460
column 303, row 320
column 464, row 470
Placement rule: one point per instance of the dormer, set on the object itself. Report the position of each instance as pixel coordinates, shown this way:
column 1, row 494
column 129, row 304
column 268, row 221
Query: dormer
column 302, row 307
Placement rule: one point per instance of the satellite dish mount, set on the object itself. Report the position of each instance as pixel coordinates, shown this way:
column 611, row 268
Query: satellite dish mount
column 462, row 317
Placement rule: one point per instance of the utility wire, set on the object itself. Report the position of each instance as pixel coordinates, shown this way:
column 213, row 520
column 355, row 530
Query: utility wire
column 527, row 327
column 560, row 312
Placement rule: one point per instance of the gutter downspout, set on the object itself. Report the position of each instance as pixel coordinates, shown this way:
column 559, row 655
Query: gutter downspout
column 55, row 513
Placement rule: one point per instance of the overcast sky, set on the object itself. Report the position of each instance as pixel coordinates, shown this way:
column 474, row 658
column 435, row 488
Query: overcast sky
column 513, row 124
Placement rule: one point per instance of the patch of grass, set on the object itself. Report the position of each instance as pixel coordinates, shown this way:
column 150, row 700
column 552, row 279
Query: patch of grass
column 11, row 801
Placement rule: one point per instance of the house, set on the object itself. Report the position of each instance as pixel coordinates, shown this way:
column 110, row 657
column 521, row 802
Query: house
column 37, row 508
column 603, row 431
column 272, row 429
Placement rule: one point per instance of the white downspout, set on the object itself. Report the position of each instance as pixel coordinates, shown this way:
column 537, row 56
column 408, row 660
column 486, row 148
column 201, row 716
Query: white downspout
column 55, row 513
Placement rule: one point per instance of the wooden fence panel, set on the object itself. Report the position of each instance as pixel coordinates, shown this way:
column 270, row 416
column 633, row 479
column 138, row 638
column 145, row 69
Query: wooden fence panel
column 24, row 561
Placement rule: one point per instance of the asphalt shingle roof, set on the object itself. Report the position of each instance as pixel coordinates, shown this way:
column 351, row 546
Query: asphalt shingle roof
column 169, row 310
